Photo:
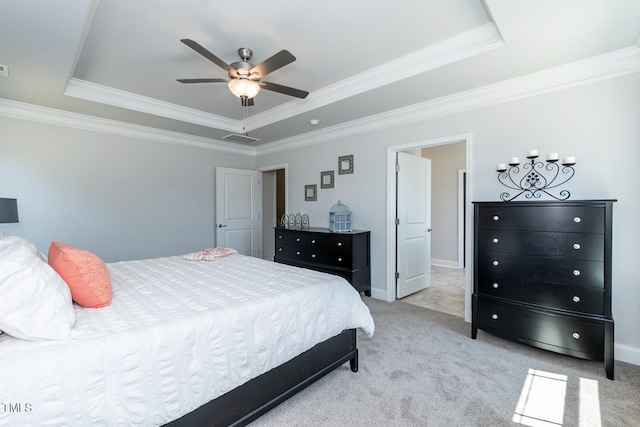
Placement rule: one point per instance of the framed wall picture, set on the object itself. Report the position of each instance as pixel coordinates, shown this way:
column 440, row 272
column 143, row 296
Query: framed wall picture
column 345, row 164
column 326, row 179
column 310, row 193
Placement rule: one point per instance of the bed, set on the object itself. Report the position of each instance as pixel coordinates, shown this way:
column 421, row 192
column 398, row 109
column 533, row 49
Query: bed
column 184, row 343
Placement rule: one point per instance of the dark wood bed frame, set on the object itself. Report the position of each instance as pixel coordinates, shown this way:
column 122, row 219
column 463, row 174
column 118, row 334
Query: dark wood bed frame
column 244, row 404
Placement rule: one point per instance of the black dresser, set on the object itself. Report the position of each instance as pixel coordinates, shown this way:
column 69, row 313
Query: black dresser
column 344, row 254
column 542, row 275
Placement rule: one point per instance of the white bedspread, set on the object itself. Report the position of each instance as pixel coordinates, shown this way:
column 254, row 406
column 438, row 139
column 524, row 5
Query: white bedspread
column 177, row 334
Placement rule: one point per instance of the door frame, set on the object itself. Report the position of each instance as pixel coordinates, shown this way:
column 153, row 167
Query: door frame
column 467, row 138
column 462, row 180
column 272, row 168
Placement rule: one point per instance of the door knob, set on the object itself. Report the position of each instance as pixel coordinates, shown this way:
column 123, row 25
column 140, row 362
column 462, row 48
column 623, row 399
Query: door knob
column 222, row 225
column 429, row 230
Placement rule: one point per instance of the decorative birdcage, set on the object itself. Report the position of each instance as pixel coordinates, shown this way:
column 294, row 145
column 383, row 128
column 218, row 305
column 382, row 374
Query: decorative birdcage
column 340, row 218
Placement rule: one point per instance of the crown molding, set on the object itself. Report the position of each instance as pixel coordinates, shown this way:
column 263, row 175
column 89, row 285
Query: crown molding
column 119, row 98
column 606, row 66
column 453, row 49
column 615, row 64
column 472, row 42
column 24, row 111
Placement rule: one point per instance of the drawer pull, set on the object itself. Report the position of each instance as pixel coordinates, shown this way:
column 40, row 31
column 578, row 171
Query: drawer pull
column 339, row 243
column 576, row 298
column 576, row 272
column 313, row 241
column 495, row 263
column 495, row 240
column 576, row 246
column 313, row 255
column 576, row 335
column 297, row 252
column 577, row 219
column 279, row 249
column 494, row 316
column 496, row 217
column 298, row 239
column 340, row 259
column 279, row 236
column 495, row 286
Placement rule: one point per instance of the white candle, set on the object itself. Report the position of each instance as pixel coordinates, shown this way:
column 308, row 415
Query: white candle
column 568, row 160
column 552, row 156
column 532, row 153
column 514, row 161
column 501, row 167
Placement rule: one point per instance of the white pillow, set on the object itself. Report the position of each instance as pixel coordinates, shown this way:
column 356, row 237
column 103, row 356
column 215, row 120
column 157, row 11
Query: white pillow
column 35, row 303
column 25, row 242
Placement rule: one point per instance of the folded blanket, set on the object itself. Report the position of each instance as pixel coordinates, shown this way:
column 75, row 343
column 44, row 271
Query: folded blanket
column 209, row 254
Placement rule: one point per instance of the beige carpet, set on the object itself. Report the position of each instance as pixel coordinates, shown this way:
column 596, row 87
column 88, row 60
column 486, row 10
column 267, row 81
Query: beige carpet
column 421, row 368
column 445, row 294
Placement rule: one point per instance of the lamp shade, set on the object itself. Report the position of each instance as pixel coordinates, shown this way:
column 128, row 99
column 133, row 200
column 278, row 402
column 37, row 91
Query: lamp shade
column 8, row 210
column 244, row 87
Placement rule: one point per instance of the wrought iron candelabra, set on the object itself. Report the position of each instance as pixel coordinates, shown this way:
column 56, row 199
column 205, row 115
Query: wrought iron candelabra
column 538, row 176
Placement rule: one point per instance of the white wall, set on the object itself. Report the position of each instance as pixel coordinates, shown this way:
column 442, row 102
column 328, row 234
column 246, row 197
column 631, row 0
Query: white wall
column 125, row 198
column 597, row 123
column 122, row 198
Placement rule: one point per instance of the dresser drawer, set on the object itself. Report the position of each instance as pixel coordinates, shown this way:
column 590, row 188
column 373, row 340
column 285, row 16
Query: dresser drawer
column 291, row 238
column 552, row 295
column 575, row 272
column 336, row 259
column 587, row 246
column 292, row 252
column 337, row 243
column 539, row 327
column 570, row 218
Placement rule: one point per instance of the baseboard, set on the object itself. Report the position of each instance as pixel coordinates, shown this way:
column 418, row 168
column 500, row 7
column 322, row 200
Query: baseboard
column 379, row 294
column 625, row 353
column 444, row 263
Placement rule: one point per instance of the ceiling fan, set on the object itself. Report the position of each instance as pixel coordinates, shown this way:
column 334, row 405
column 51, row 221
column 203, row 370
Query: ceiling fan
column 245, row 78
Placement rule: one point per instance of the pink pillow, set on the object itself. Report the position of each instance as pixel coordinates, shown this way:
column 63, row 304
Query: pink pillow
column 86, row 275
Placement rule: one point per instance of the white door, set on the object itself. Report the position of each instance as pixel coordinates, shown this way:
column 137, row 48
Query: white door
column 238, row 198
column 413, row 263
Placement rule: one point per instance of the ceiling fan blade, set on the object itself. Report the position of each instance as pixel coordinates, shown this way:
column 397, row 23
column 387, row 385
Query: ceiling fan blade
column 278, row 60
column 202, row 80
column 210, row 56
column 284, row 89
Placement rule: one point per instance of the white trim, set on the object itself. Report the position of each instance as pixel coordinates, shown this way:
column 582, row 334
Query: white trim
column 390, row 294
column 626, row 353
column 284, row 166
column 461, row 227
column 83, row 89
column 444, row 263
column 473, row 42
column 453, row 49
column 20, row 110
column 610, row 65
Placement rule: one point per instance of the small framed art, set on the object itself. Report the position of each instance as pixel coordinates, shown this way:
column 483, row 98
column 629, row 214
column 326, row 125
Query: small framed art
column 310, row 193
column 326, row 179
column 345, row 164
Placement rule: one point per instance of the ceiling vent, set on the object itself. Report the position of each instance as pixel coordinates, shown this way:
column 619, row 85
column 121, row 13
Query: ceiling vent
column 234, row 137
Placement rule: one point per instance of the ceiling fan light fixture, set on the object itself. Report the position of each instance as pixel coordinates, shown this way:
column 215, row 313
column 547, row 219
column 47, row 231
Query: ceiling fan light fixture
column 243, row 87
